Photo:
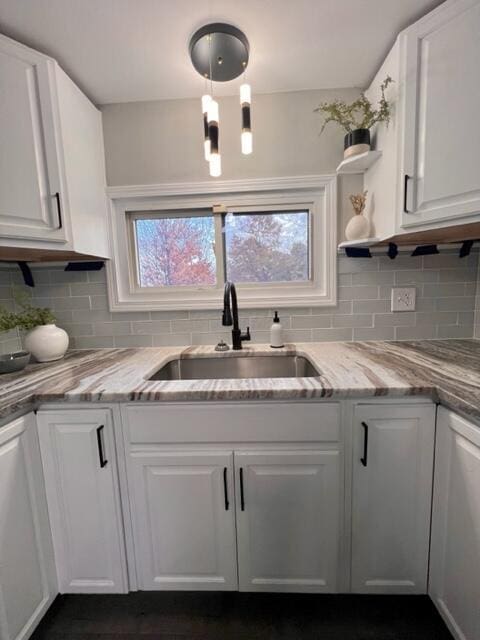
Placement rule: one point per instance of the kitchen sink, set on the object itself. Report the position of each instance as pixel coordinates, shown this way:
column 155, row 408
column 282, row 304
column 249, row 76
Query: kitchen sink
column 278, row 366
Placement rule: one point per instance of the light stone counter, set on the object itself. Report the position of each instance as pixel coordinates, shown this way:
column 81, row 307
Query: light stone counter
column 446, row 370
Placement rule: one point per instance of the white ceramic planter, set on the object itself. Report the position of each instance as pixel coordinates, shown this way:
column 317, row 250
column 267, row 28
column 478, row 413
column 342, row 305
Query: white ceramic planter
column 46, row 342
column 357, row 228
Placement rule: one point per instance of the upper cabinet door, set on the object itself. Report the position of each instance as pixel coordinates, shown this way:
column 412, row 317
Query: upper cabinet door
column 393, row 448
column 288, row 511
column 27, row 568
column 29, row 171
column 441, row 176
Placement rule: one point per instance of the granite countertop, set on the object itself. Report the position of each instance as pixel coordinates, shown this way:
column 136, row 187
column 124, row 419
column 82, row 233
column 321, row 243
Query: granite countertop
column 445, row 370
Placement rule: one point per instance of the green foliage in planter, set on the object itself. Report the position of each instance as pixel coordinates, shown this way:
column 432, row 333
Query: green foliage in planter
column 359, row 114
column 28, row 318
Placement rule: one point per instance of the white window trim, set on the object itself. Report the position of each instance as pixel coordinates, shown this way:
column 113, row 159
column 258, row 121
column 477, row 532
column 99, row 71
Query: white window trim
column 319, row 193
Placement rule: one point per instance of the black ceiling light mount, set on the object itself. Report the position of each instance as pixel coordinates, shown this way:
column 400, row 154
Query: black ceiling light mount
column 219, row 51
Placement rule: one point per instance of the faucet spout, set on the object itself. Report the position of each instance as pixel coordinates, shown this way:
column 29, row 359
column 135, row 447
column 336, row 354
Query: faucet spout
column 230, row 316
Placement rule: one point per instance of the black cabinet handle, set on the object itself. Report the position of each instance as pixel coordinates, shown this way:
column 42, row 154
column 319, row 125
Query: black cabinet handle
column 365, row 444
column 242, row 493
column 101, row 454
column 59, row 210
column 406, row 178
column 225, row 488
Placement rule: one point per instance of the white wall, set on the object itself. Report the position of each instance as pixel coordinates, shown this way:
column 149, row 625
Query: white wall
column 154, row 142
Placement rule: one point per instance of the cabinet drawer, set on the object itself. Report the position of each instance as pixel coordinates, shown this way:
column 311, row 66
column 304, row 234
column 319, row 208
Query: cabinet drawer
column 232, row 422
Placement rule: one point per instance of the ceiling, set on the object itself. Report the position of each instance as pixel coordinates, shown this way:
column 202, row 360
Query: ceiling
column 129, row 50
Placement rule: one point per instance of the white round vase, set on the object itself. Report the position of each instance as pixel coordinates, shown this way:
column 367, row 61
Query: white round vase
column 46, row 342
column 357, row 228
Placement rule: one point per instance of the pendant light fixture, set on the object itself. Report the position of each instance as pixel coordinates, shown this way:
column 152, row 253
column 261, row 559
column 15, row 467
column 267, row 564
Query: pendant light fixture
column 219, row 52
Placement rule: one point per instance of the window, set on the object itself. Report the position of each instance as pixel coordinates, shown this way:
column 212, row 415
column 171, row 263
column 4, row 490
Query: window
column 180, row 249
column 177, row 252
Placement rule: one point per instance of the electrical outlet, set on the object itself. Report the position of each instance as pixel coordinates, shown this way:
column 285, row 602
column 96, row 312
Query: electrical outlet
column 403, row 299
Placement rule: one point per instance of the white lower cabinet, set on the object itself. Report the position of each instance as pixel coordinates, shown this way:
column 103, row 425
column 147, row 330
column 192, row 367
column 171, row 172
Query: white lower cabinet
column 184, row 519
column 287, row 520
column 455, row 556
column 79, row 461
column 393, row 448
column 244, row 485
column 27, row 570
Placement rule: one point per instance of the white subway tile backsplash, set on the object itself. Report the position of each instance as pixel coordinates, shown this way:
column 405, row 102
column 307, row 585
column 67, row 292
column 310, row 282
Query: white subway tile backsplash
column 445, row 287
column 416, row 333
column 354, row 320
column 374, row 333
column 112, row 328
column 311, row 322
column 332, row 335
column 358, row 293
column 132, row 341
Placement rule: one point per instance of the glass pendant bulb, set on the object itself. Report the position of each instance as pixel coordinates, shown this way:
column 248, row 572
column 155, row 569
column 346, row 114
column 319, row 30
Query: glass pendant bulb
column 245, row 94
column 247, row 142
column 215, row 165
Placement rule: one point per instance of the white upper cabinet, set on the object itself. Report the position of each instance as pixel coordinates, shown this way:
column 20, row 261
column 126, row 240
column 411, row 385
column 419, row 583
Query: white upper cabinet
column 28, row 583
column 428, row 176
column 29, row 171
column 442, row 103
column 78, row 454
column 288, row 508
column 52, row 175
column 393, row 449
column 455, row 555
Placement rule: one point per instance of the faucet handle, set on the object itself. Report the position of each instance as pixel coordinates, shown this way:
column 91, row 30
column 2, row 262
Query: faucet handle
column 246, row 336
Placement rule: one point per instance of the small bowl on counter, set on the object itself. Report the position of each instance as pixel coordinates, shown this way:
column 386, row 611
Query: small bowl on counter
column 11, row 362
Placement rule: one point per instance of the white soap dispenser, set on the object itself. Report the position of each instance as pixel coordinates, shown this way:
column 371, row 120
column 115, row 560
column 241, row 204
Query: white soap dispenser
column 276, row 333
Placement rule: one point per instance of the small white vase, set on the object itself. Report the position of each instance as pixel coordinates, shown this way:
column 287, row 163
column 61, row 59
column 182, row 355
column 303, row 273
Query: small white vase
column 46, row 342
column 357, row 227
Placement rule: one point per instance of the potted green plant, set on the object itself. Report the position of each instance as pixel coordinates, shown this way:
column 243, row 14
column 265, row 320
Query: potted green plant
column 357, row 118
column 44, row 340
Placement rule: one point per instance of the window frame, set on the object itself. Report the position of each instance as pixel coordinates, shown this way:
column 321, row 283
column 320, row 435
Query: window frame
column 317, row 194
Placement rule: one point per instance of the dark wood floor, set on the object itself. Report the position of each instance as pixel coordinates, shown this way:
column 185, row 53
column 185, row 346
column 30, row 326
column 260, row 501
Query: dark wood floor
column 241, row 616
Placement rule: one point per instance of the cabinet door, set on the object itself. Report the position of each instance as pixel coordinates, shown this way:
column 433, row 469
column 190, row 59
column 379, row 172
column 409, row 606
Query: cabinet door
column 27, row 569
column 82, row 490
column 393, row 448
column 442, row 103
column 183, row 518
column 287, row 520
column 29, row 170
column 455, row 555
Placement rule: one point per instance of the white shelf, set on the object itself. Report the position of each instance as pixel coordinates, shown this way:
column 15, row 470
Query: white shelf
column 359, row 163
column 365, row 242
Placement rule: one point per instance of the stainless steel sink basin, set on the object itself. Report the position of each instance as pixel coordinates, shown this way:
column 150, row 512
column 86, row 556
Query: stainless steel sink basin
column 281, row 366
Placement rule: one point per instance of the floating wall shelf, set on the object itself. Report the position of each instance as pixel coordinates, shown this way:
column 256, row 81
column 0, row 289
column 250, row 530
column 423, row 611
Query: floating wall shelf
column 365, row 242
column 359, row 163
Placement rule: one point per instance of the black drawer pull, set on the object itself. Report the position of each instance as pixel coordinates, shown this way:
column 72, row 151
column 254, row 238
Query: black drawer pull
column 101, row 453
column 406, row 178
column 59, row 209
column 242, row 493
column 225, row 488
column 363, row 460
